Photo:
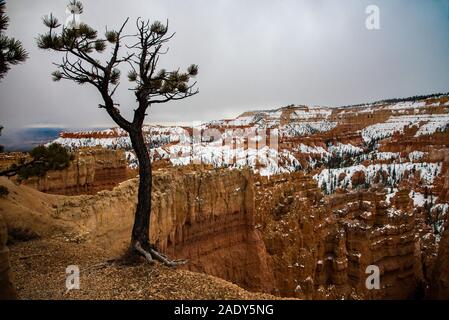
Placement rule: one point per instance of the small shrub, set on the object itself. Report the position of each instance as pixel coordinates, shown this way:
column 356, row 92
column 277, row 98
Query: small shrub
column 44, row 159
column 3, row 191
column 16, row 235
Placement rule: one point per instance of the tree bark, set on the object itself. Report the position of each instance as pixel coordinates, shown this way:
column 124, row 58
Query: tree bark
column 141, row 229
column 140, row 236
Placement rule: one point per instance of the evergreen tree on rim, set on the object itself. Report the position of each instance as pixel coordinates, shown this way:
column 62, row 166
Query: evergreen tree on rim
column 80, row 46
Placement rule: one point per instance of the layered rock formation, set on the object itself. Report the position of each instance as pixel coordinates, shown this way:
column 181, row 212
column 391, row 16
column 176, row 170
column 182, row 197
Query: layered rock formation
column 7, row 290
column 208, row 217
column 92, row 170
column 339, row 190
column 439, row 288
column 279, row 234
column 305, row 137
column 200, row 214
column 321, row 247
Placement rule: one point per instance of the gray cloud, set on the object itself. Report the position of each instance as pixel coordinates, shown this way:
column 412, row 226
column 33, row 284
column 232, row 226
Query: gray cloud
column 252, row 54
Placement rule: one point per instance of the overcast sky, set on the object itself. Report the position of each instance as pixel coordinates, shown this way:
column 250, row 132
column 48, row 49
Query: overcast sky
column 252, row 54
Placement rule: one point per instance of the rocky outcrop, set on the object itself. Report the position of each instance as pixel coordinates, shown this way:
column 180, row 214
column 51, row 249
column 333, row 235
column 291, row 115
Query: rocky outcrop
column 300, row 137
column 9, row 158
column 442, row 182
column 279, row 234
column 7, row 290
column 201, row 214
column 92, row 170
column 208, row 217
column 385, row 206
column 439, row 288
column 381, row 235
column 321, row 246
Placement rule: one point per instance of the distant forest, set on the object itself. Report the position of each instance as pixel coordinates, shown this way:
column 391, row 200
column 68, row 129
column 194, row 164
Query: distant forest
column 397, row 100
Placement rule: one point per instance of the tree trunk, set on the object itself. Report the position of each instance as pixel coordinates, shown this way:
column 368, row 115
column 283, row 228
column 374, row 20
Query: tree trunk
column 141, row 228
column 140, row 237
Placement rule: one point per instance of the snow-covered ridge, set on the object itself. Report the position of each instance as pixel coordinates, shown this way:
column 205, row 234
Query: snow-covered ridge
column 306, row 128
column 341, row 149
column 227, row 143
column 117, row 138
column 331, row 179
column 406, row 105
column 437, row 212
column 426, row 123
column 266, row 161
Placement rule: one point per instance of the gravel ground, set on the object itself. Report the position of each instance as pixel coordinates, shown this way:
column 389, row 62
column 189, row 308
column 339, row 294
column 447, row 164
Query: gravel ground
column 39, row 273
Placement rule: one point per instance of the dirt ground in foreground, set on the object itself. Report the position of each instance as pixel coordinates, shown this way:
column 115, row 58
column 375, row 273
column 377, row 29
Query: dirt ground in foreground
column 39, row 270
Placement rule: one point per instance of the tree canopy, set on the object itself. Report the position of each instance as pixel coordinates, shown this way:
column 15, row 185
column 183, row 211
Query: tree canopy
column 82, row 46
column 43, row 159
column 82, row 49
column 11, row 50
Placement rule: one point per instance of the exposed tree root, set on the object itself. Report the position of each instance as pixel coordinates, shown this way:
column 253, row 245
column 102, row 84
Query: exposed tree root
column 99, row 265
column 146, row 254
column 31, row 256
column 153, row 255
column 162, row 258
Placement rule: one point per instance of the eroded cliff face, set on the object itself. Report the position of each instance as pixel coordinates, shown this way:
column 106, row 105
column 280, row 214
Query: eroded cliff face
column 92, row 170
column 7, row 290
column 321, row 246
column 439, row 288
column 201, row 214
column 208, row 217
column 279, row 235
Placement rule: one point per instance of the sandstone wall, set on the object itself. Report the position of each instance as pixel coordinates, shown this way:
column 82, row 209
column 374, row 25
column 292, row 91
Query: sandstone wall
column 321, row 247
column 92, row 170
column 277, row 234
column 384, row 236
column 7, row 290
column 206, row 216
column 439, row 288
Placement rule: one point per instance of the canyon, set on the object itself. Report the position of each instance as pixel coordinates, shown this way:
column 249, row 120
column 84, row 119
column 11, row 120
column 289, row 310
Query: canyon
column 296, row 202
column 203, row 215
column 278, row 235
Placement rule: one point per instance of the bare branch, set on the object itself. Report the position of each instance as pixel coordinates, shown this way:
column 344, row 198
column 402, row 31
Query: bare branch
column 151, row 86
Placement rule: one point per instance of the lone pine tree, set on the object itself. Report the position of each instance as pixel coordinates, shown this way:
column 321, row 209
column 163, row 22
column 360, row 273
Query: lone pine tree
column 81, row 47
